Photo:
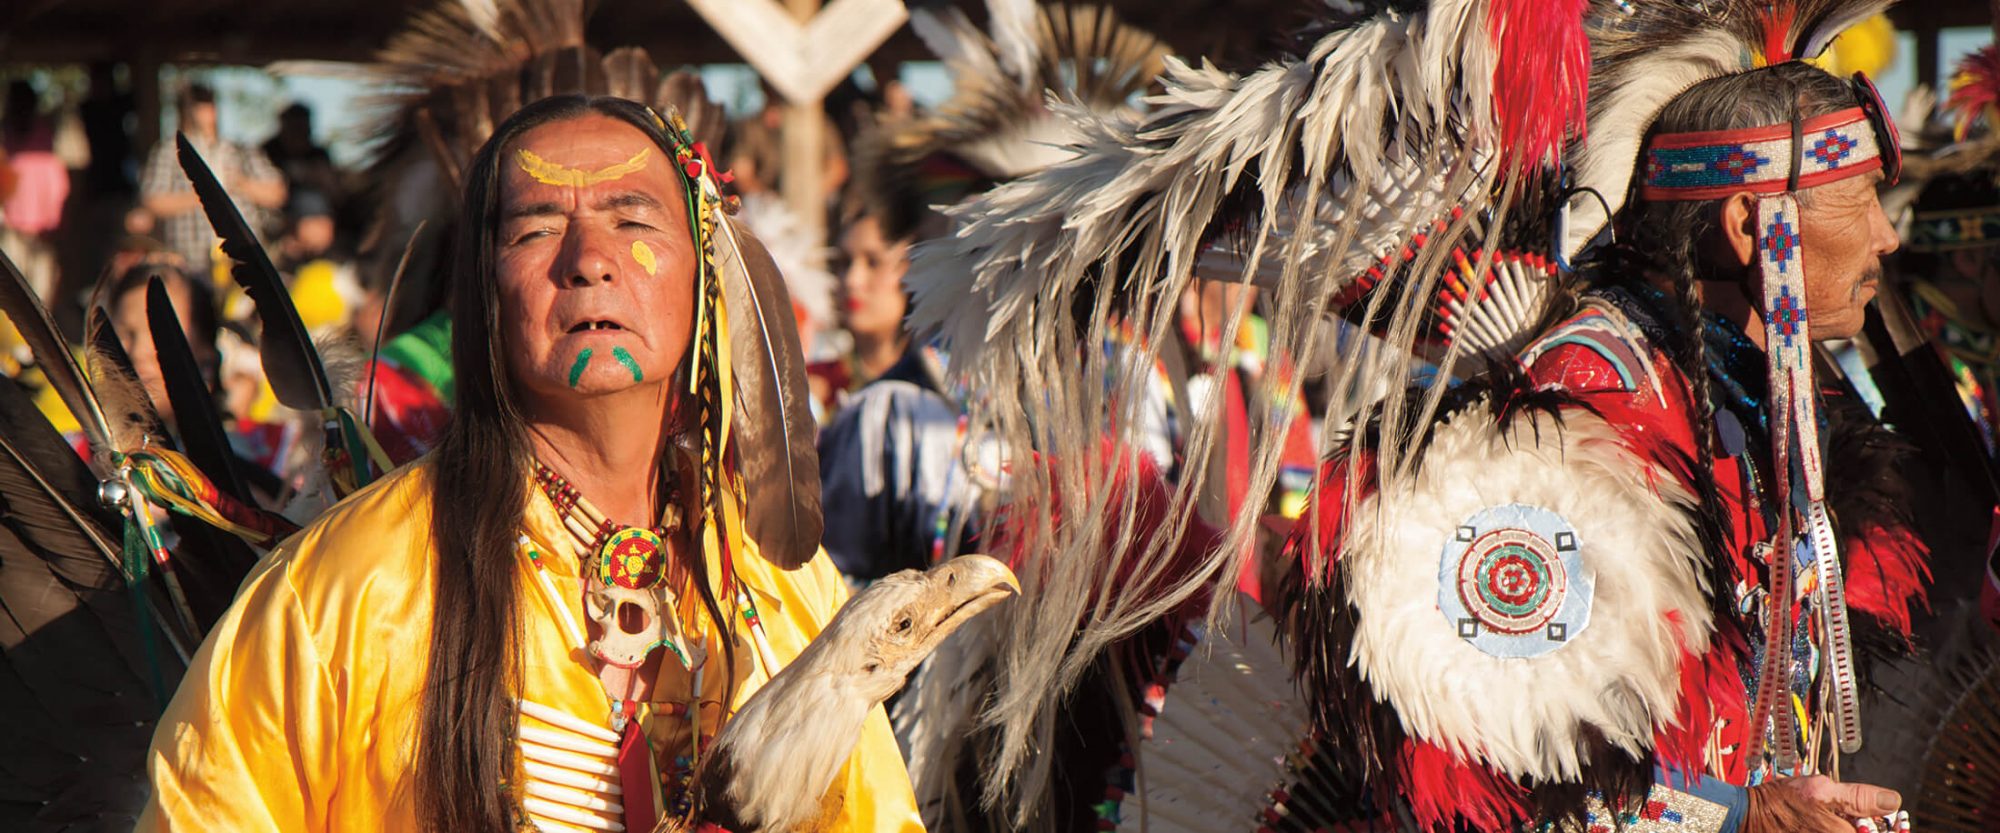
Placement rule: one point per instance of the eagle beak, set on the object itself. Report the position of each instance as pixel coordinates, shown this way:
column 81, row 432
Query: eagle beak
column 972, row 584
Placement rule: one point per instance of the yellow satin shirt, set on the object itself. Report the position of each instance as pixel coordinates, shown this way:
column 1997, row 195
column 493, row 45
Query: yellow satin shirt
column 299, row 712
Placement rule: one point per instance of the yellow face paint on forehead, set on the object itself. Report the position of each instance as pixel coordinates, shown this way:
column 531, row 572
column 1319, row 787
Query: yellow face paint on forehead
column 644, row 255
column 550, row 173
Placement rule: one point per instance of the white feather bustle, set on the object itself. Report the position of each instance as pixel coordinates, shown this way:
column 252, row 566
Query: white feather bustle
column 1619, row 678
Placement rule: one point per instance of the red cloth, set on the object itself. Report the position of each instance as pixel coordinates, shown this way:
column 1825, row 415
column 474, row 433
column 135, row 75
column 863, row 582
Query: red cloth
column 408, row 416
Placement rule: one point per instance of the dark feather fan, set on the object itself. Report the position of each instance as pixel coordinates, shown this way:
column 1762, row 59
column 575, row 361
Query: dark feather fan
column 1961, row 775
column 80, row 683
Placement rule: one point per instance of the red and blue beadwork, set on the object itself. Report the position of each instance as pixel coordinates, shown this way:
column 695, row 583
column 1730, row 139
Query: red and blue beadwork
column 1776, row 158
column 1512, row 581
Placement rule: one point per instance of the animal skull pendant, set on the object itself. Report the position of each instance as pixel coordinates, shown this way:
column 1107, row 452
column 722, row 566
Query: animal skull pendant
column 631, row 622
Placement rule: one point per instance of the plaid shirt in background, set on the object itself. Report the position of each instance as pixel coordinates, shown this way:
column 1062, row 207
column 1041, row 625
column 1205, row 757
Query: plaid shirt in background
column 189, row 235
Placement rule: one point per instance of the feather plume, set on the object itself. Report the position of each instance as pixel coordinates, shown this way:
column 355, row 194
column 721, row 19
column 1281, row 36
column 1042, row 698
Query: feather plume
column 51, row 351
column 707, row 121
column 199, row 424
column 455, row 71
column 1975, row 91
column 290, row 362
column 999, row 124
column 1644, row 57
column 630, row 73
column 773, row 426
column 128, row 410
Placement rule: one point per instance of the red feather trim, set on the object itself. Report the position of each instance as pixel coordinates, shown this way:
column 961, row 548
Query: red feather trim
column 1777, row 22
column 1443, row 788
column 1711, row 688
column 1327, row 514
column 1014, row 537
column 1542, row 81
column 1888, row 574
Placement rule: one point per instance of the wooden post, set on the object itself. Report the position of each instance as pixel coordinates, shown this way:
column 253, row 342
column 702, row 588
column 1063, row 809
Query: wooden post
column 805, row 148
column 804, row 50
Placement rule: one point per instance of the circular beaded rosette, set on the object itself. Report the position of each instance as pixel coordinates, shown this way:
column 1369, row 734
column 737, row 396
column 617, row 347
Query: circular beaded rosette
column 631, row 558
column 1512, row 582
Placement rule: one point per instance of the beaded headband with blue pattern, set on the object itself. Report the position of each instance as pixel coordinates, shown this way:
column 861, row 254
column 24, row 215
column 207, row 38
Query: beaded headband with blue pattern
column 1775, row 158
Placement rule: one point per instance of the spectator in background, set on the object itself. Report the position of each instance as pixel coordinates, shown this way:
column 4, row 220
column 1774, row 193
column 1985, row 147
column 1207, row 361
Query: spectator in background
column 107, row 116
column 306, row 165
column 252, row 181
column 33, row 210
column 125, row 304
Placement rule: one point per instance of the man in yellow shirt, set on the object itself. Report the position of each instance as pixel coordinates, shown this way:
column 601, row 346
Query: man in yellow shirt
column 543, row 622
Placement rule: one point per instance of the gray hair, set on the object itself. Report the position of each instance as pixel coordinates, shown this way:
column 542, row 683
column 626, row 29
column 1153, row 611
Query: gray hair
column 1671, row 238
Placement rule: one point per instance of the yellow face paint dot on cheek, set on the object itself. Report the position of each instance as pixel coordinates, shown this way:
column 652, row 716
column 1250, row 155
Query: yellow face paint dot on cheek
column 644, row 254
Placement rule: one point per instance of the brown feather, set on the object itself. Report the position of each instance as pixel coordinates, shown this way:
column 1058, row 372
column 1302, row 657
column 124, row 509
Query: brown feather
column 707, row 122
column 630, row 73
column 73, row 669
column 773, row 426
column 128, row 411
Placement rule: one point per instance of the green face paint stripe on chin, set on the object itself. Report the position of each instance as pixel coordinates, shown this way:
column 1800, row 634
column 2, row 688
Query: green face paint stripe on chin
column 576, row 369
column 625, row 359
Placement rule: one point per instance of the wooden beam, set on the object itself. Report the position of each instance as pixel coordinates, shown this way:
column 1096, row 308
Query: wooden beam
column 803, row 60
column 804, row 50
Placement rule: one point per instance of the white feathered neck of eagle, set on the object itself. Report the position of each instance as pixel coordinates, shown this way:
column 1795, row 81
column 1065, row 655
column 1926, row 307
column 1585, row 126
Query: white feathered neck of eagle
column 1645, row 58
column 773, row 761
column 1322, row 162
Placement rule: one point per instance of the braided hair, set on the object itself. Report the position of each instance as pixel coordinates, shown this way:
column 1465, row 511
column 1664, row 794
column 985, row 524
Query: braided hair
column 1675, row 244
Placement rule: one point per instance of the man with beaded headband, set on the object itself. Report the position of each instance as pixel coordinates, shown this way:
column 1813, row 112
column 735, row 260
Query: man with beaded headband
column 593, row 569
column 1745, row 226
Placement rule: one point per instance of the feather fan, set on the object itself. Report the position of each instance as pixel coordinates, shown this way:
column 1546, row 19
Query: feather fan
column 76, row 674
column 998, row 123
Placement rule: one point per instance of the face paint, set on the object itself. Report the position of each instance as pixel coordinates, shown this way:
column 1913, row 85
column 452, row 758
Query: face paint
column 550, row 173
column 576, row 370
column 625, row 359
column 644, row 254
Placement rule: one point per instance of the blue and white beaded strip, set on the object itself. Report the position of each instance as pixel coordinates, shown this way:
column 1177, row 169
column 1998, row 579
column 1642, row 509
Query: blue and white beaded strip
column 1715, row 164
